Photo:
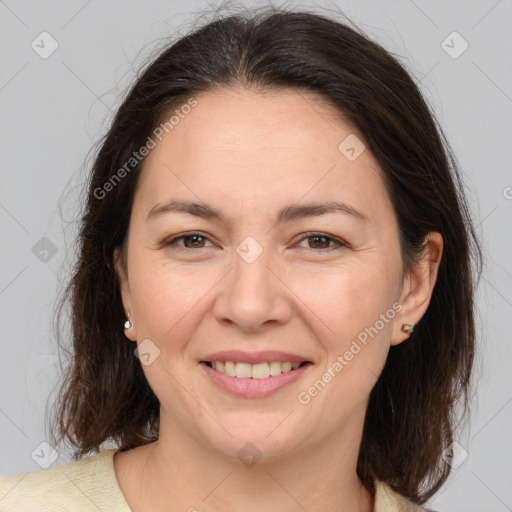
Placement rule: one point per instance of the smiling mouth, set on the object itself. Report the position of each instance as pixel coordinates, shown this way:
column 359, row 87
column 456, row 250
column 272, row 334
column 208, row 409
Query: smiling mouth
column 263, row 370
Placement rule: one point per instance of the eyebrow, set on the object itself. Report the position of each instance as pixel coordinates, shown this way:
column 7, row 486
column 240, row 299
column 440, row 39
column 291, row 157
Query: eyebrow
column 286, row 214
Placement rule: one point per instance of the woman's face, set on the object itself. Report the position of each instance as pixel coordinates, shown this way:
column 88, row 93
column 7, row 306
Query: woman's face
column 272, row 273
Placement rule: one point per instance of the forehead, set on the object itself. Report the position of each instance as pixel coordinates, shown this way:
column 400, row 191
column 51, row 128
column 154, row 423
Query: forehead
column 276, row 145
column 236, row 119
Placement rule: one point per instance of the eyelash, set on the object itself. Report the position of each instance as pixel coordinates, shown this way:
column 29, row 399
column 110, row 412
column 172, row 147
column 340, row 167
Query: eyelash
column 311, row 234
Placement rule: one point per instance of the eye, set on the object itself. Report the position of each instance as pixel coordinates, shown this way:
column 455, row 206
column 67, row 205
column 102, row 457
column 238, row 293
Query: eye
column 197, row 240
column 322, row 240
column 193, row 240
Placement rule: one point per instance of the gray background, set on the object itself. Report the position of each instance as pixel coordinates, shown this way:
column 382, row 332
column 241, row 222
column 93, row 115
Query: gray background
column 53, row 110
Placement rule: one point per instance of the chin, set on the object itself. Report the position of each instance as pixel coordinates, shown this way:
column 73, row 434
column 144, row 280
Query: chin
column 255, row 440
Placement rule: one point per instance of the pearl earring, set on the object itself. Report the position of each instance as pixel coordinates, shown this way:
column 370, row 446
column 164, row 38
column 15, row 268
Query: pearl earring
column 128, row 324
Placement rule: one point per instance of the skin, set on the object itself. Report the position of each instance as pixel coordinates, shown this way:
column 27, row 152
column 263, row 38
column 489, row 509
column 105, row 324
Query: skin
column 249, row 154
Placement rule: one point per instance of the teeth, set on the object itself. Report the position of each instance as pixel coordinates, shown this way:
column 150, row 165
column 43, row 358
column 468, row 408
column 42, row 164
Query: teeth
column 255, row 371
column 275, row 368
column 259, row 371
column 243, row 370
column 229, row 368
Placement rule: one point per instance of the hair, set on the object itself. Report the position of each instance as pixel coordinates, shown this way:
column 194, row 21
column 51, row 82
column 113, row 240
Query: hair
column 411, row 415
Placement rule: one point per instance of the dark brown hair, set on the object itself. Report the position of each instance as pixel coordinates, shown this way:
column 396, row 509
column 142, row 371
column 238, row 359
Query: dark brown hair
column 410, row 420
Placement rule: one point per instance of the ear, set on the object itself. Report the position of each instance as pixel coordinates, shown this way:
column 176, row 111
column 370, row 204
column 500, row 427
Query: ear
column 125, row 293
column 418, row 286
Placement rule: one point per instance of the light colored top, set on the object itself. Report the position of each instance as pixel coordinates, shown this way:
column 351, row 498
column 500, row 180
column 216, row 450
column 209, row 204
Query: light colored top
column 90, row 484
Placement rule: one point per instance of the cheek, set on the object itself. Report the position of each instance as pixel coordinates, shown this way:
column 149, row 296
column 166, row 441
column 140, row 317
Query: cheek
column 168, row 297
column 344, row 299
column 354, row 338
column 353, row 317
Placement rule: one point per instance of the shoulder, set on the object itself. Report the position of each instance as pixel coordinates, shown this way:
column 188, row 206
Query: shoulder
column 87, row 484
column 387, row 500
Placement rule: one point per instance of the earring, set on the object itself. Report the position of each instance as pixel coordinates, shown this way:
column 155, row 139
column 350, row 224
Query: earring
column 128, row 324
column 407, row 328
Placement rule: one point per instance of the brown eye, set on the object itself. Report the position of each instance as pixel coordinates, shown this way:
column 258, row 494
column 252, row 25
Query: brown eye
column 190, row 241
column 195, row 241
column 319, row 241
column 322, row 241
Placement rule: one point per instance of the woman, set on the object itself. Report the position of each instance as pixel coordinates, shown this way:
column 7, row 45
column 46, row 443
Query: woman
column 273, row 302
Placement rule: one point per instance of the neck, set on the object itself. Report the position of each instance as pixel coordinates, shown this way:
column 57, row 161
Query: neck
column 182, row 472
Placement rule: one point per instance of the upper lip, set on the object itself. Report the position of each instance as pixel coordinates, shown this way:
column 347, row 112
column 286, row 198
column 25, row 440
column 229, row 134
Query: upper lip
column 254, row 357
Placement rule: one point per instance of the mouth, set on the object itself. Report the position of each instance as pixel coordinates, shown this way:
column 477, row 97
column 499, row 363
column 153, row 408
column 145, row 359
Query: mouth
column 259, row 371
column 251, row 381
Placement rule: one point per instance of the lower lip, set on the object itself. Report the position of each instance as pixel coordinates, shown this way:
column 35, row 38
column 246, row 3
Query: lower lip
column 254, row 388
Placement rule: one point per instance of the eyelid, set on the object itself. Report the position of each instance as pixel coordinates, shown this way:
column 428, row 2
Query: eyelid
column 310, row 234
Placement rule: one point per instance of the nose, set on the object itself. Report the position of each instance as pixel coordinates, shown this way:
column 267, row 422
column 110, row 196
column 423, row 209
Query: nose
column 252, row 296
